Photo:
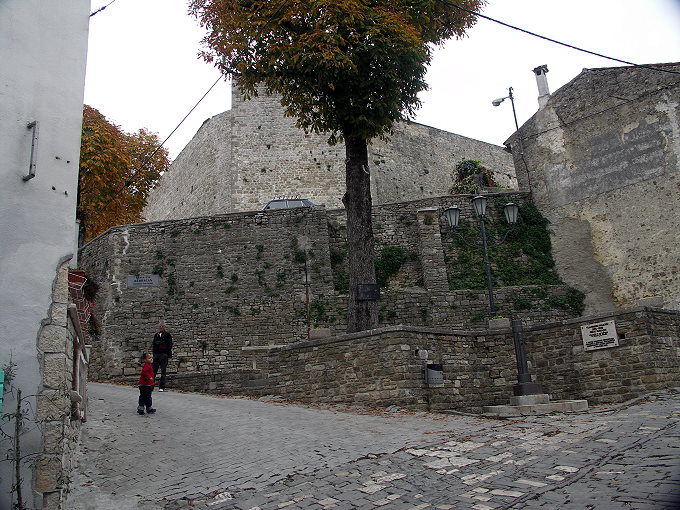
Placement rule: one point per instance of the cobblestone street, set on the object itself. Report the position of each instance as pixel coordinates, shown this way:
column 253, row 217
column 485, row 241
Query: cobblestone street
column 217, row 453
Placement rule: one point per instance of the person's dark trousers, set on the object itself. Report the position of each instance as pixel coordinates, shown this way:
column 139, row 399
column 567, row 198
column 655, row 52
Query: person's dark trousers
column 145, row 397
column 160, row 360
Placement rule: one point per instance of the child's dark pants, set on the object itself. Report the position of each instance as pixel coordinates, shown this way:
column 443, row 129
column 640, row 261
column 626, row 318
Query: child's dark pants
column 145, row 397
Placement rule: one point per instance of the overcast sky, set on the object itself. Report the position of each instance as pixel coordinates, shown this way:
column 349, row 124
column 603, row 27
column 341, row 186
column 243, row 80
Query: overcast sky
column 142, row 68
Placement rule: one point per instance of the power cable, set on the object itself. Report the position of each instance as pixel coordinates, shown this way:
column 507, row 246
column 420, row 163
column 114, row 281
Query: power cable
column 452, row 4
column 148, row 159
column 101, row 8
column 600, row 112
column 447, row 2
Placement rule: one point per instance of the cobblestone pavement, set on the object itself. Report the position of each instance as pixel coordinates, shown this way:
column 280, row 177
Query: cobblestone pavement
column 213, row 453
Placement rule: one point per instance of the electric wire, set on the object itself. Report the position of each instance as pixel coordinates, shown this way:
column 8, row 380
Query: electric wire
column 447, row 2
column 146, row 161
column 600, row 112
column 101, row 8
column 452, row 4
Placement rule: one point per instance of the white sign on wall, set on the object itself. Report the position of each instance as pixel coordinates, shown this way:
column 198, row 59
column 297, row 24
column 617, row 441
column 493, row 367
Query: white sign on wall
column 143, row 280
column 601, row 335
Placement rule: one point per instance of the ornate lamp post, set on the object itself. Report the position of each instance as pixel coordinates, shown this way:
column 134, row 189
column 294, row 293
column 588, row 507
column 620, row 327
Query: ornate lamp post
column 524, row 386
column 452, row 215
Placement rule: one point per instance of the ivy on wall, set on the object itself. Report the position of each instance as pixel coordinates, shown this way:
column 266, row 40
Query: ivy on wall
column 389, row 261
column 523, row 258
column 340, row 276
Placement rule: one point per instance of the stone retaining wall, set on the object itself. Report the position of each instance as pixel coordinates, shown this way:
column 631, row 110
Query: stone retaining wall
column 227, row 281
column 384, row 367
column 61, row 401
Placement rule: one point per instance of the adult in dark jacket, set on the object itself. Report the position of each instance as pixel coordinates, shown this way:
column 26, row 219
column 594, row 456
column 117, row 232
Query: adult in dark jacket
column 162, row 352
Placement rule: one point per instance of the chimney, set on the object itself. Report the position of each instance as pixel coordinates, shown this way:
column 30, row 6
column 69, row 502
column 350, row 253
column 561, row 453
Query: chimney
column 542, row 82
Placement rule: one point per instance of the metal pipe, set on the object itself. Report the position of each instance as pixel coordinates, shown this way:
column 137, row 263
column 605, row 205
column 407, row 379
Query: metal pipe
column 487, row 267
column 34, row 150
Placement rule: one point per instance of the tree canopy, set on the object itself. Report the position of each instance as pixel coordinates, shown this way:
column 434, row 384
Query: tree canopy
column 114, row 176
column 340, row 66
column 350, row 68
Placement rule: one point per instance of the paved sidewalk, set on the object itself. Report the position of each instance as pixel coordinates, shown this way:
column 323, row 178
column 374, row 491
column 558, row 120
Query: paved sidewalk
column 213, row 453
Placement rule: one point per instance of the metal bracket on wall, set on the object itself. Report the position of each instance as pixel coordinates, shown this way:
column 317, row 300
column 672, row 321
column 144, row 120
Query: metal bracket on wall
column 34, row 150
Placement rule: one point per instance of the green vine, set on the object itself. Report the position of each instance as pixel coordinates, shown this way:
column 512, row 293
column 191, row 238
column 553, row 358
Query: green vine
column 389, row 261
column 318, row 311
column 573, row 301
column 524, row 258
column 299, row 256
column 340, row 281
column 340, row 277
column 172, row 285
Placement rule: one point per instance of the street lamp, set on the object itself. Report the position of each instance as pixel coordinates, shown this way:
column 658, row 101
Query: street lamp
column 497, row 102
column 525, row 386
column 452, row 215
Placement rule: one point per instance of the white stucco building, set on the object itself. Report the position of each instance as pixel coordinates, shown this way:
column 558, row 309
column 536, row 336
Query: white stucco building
column 43, row 47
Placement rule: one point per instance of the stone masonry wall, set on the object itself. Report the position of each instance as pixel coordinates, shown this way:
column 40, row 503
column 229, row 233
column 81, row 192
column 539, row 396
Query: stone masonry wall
column 242, row 158
column 200, row 177
column 604, row 161
column 233, row 280
column 61, row 428
column 420, row 161
column 225, row 280
column 647, row 358
column 385, row 367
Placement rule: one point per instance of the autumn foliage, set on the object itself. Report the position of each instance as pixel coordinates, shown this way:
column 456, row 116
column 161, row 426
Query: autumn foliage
column 117, row 171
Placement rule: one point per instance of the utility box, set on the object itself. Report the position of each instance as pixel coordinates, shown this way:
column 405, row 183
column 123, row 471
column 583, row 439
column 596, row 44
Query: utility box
column 434, row 374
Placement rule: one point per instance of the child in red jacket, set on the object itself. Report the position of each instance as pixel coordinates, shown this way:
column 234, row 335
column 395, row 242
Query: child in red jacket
column 146, row 382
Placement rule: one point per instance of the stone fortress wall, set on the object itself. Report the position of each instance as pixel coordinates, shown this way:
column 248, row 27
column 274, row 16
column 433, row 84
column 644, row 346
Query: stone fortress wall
column 235, row 280
column 242, row 158
column 602, row 159
column 604, row 167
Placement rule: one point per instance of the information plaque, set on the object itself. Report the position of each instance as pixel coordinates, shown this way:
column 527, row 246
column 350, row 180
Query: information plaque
column 368, row 292
column 143, row 280
column 600, row 335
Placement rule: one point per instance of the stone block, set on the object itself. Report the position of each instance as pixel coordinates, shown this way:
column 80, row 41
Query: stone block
column 52, row 500
column 53, row 436
column 48, row 473
column 60, row 292
column 523, row 400
column 316, row 334
column 53, row 338
column 500, row 323
column 53, row 405
column 59, row 314
column 650, row 302
column 56, row 370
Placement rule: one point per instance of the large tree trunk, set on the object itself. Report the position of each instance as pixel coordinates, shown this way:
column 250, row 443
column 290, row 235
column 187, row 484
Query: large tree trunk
column 361, row 315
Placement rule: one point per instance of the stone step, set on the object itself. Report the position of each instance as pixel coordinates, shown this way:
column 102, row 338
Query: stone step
column 559, row 406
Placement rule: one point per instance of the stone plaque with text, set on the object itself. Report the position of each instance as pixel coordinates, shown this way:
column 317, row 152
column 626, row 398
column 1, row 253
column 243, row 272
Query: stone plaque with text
column 143, row 280
column 600, row 335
